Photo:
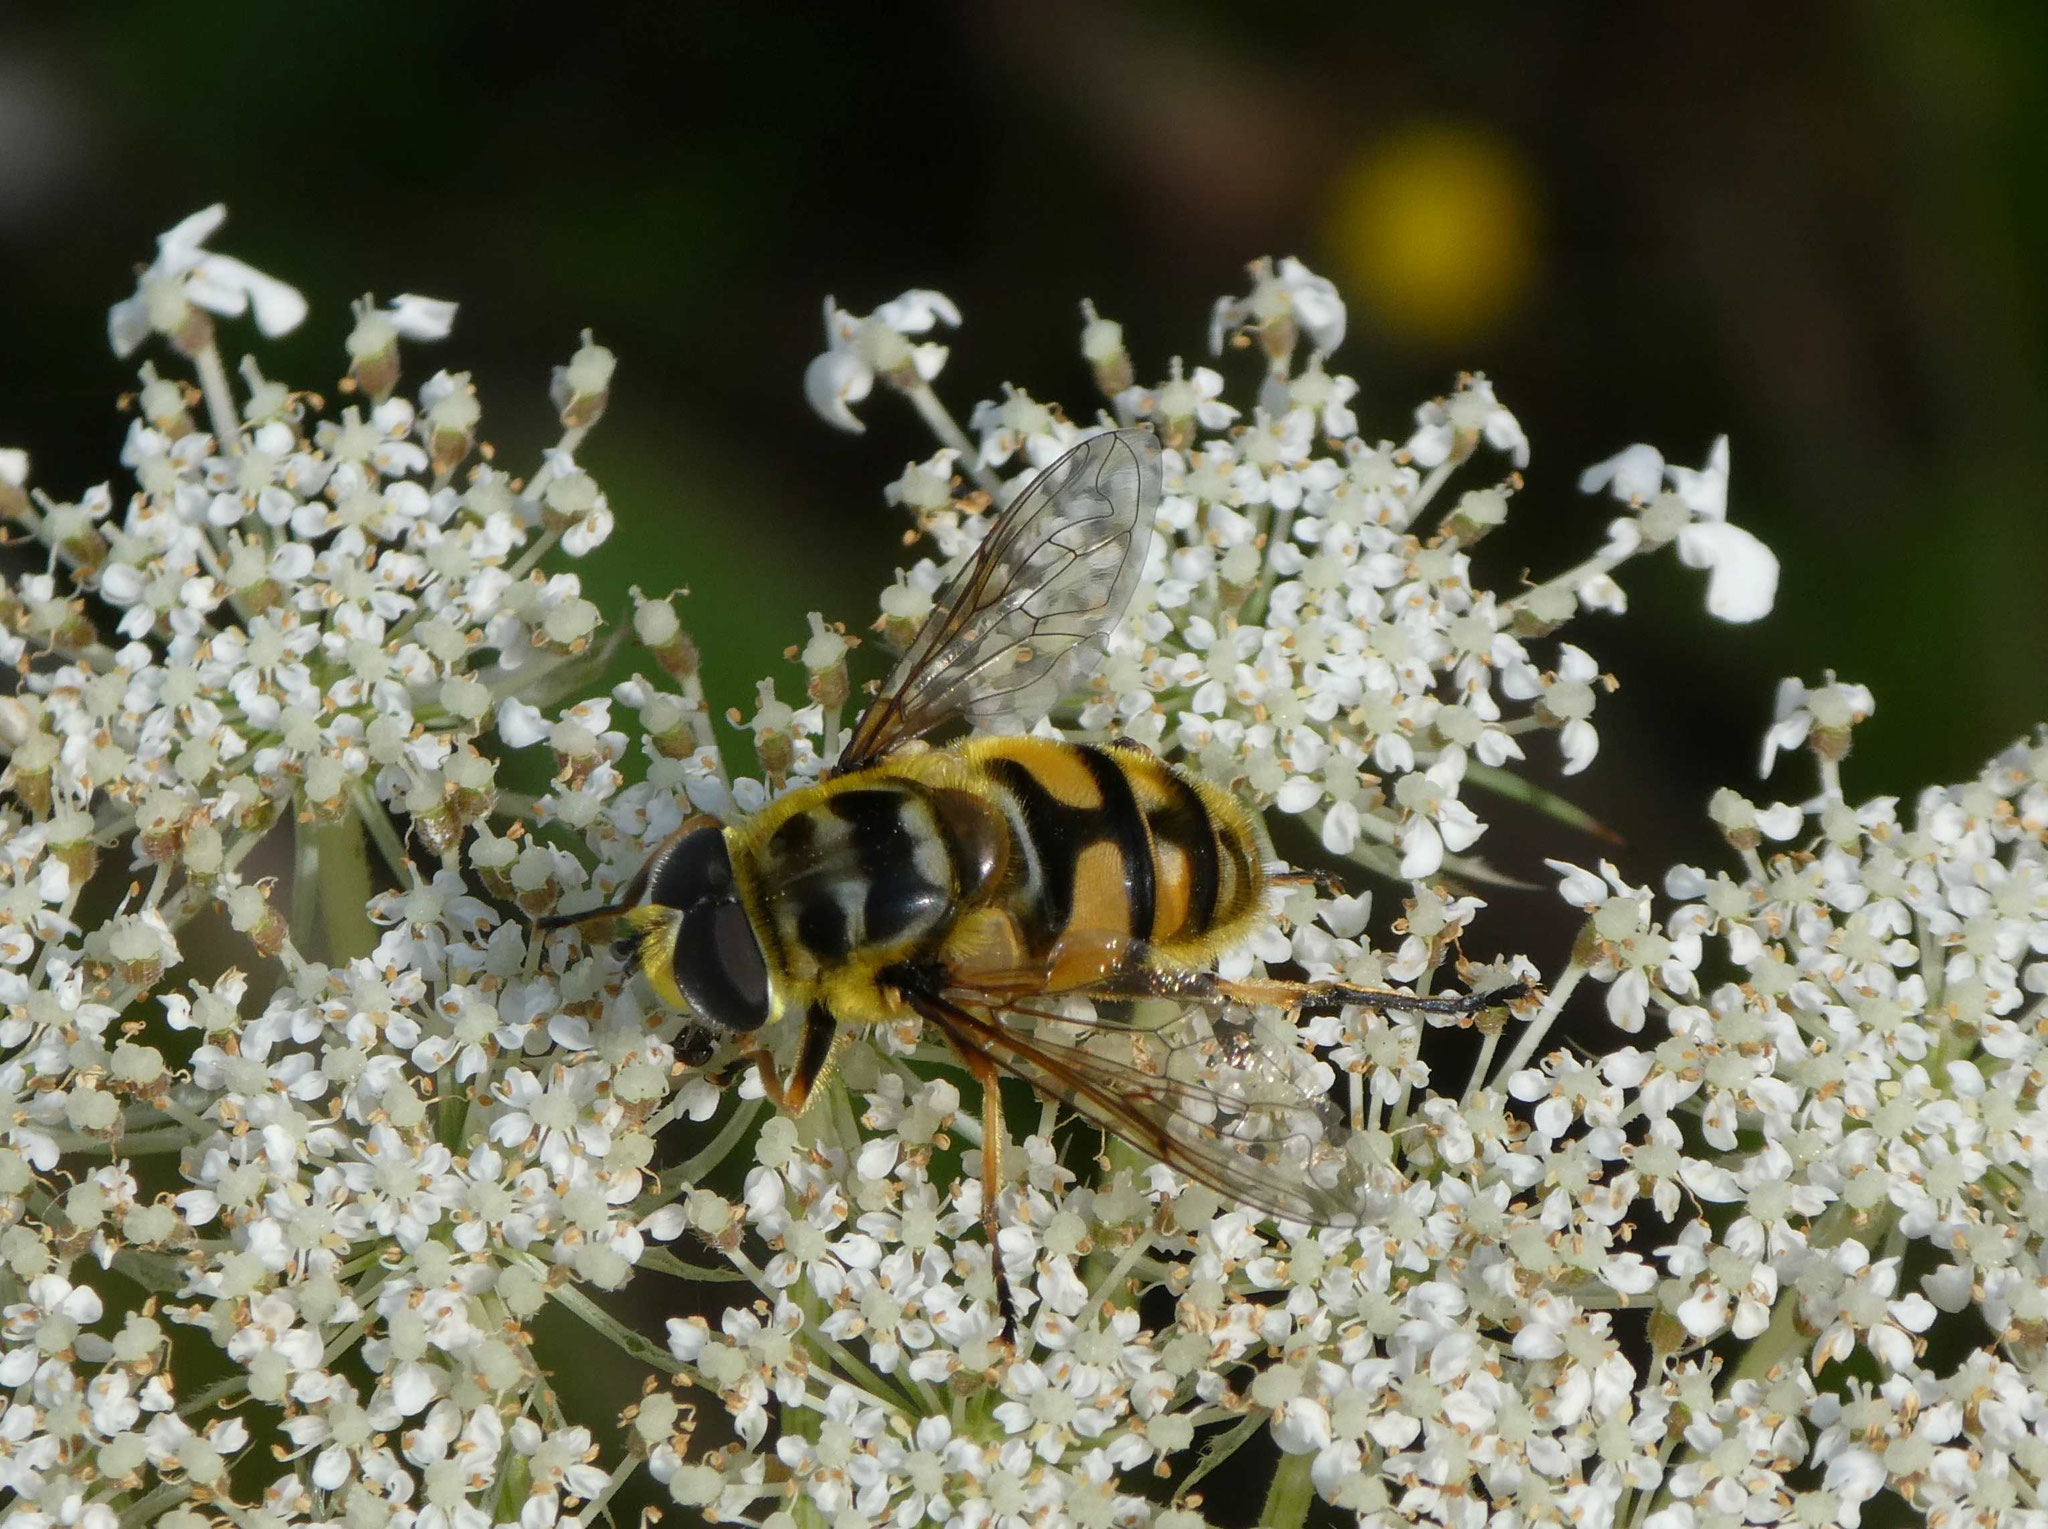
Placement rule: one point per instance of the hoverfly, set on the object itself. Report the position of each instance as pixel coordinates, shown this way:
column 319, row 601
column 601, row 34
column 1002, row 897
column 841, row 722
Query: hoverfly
column 980, row 884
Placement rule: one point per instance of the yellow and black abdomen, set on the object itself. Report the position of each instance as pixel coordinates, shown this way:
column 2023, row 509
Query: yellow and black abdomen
column 1115, row 841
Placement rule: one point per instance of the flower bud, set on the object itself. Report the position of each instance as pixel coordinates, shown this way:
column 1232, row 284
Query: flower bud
column 373, row 350
column 904, row 608
column 1478, row 511
column 1544, row 609
column 667, row 720
column 1102, row 342
column 163, row 403
column 250, row 913
column 824, row 660
column 426, row 803
column 1735, row 816
column 203, row 853
column 569, row 496
column 655, row 624
column 583, row 388
column 138, row 947
column 14, row 484
column 322, row 793
column 492, row 858
column 1174, row 411
column 771, row 729
column 452, row 413
column 472, row 785
column 29, row 773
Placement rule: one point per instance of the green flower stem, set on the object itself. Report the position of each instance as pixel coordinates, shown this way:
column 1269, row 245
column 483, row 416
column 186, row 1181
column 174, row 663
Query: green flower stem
column 382, row 830
column 1504, row 783
column 1220, row 1449
column 594, row 1316
column 220, row 1391
column 827, row 1352
column 598, row 1505
column 515, row 1485
column 220, row 399
column 1291, row 1494
column 1571, row 579
column 453, row 1118
column 305, row 880
column 661, row 1261
column 342, row 879
column 148, row 1509
column 691, row 1172
column 942, row 424
column 1532, row 1037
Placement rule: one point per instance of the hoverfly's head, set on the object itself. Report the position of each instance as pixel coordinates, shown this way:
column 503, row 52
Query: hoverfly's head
column 694, row 938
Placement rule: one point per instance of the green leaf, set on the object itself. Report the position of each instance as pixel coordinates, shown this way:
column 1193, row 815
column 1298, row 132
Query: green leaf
column 1504, row 783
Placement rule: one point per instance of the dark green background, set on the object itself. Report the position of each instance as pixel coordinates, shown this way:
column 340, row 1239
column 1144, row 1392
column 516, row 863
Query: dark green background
column 1819, row 228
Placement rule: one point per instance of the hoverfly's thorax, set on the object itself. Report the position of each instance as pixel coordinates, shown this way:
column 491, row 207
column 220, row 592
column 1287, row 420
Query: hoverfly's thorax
column 863, row 871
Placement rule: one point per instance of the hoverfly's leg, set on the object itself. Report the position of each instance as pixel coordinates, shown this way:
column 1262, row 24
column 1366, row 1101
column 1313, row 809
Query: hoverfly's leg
column 556, row 921
column 816, row 1057
column 993, row 1135
column 920, row 990
column 1325, row 997
column 1287, row 876
column 771, row 1078
column 1136, row 980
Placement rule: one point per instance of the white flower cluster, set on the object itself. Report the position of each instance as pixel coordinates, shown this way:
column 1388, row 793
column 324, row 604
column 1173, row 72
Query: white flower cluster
column 1691, row 1281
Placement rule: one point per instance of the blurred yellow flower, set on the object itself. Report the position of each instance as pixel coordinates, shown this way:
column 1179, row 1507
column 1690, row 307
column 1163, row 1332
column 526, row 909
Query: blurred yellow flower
column 1433, row 227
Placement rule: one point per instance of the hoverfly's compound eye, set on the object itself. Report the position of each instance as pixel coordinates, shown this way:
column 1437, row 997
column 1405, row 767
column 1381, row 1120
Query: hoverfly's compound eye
column 719, row 966
column 698, row 868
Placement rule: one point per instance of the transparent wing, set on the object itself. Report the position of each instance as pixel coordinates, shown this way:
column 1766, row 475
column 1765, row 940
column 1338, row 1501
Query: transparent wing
column 1027, row 620
column 1224, row 1094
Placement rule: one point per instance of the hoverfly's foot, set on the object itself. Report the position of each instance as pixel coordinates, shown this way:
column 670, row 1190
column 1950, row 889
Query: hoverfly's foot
column 1513, row 992
column 1288, row 876
column 1006, row 1301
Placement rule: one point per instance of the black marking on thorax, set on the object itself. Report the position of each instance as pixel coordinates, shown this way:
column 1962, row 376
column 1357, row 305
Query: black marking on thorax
column 900, row 898
column 858, row 869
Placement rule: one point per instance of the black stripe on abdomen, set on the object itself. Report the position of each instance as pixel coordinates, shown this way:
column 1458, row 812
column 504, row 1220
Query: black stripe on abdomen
column 1124, row 824
column 1054, row 835
column 1185, row 822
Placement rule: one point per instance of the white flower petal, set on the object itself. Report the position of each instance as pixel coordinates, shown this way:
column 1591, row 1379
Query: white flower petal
column 422, row 318
column 1634, row 473
column 520, row 725
column 834, row 379
column 1743, row 583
